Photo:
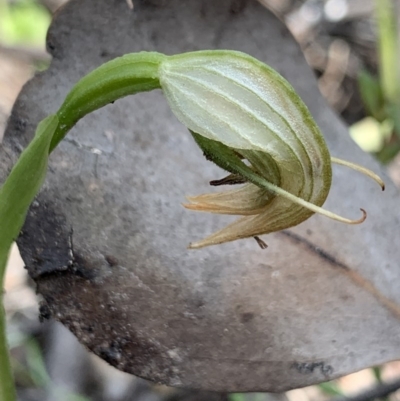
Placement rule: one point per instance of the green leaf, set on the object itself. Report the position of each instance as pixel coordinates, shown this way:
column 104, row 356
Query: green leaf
column 22, row 185
column 371, row 94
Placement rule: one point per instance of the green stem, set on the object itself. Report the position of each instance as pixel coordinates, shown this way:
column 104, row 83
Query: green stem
column 16, row 194
column 388, row 49
column 7, row 387
column 118, row 78
column 123, row 76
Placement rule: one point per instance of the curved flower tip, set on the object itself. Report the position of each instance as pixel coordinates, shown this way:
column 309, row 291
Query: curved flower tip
column 361, row 219
column 360, row 169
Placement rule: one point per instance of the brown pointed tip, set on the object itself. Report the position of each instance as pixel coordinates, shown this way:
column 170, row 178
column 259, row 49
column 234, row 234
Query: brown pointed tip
column 362, row 219
column 361, row 169
column 378, row 180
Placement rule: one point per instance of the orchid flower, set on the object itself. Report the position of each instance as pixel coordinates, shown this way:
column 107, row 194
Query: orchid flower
column 244, row 116
column 239, row 108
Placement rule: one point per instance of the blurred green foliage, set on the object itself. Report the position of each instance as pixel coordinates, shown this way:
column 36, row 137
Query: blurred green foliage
column 248, row 397
column 30, row 371
column 331, row 388
column 23, row 23
column 380, row 132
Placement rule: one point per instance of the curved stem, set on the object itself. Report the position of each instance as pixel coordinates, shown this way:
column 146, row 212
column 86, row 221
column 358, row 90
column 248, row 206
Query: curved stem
column 123, row 76
column 16, row 194
column 120, row 77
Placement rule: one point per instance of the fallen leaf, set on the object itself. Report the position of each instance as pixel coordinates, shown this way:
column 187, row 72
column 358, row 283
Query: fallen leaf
column 322, row 301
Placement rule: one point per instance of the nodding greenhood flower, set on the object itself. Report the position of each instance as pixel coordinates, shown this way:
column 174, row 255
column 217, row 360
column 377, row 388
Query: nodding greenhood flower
column 237, row 109
column 244, row 116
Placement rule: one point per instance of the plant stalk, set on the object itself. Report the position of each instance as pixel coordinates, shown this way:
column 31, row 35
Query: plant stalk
column 388, row 48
